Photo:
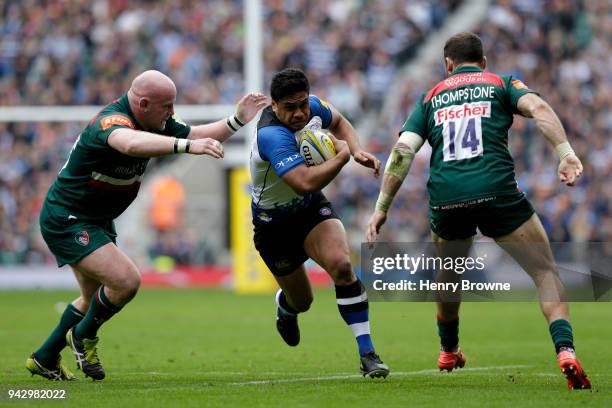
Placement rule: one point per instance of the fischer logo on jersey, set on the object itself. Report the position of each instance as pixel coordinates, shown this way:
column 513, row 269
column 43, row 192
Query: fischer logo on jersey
column 467, row 110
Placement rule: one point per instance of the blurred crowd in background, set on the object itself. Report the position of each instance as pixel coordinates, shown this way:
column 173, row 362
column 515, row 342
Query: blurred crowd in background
column 87, row 51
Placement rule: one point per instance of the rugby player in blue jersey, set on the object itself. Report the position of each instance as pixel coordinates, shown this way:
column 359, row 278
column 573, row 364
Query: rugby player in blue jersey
column 294, row 221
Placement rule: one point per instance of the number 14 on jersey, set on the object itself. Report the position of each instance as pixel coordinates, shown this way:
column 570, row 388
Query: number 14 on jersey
column 462, row 139
column 462, row 129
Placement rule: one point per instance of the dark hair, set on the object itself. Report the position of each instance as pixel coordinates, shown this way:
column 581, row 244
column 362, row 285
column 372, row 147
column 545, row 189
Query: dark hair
column 464, row 47
column 288, row 82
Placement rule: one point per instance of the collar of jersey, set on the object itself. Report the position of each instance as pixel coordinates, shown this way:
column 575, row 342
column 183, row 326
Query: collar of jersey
column 125, row 101
column 467, row 68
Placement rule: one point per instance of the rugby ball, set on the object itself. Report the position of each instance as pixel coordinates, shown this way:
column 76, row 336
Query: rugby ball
column 315, row 146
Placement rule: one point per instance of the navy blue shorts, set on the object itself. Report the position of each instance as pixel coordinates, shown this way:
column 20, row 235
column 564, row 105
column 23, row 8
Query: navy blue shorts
column 281, row 242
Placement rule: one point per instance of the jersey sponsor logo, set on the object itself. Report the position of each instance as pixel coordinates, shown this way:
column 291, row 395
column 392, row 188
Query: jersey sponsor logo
column 518, row 84
column 463, row 204
column 455, row 81
column 129, row 171
column 82, row 238
column 325, row 211
column 122, row 120
column 264, row 217
column 287, row 161
column 282, row 264
column 467, row 110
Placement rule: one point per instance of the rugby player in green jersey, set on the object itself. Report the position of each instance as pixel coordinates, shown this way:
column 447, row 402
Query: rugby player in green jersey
column 98, row 182
column 465, row 118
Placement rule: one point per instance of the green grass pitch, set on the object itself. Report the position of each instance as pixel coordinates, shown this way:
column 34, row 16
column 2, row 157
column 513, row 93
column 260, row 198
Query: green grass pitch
column 189, row 348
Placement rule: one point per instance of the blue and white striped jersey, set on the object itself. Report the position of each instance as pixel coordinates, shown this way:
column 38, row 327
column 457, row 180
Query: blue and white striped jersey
column 274, row 153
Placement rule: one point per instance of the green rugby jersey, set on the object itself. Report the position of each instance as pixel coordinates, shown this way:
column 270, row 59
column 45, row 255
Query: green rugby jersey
column 465, row 118
column 98, row 182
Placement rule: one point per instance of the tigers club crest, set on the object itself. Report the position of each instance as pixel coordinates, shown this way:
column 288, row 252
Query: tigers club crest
column 82, row 238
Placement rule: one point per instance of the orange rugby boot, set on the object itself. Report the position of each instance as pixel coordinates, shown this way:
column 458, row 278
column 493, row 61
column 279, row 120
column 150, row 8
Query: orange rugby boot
column 449, row 360
column 571, row 368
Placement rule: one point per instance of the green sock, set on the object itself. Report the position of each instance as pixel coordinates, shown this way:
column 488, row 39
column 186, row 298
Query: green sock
column 100, row 310
column 48, row 353
column 449, row 334
column 561, row 333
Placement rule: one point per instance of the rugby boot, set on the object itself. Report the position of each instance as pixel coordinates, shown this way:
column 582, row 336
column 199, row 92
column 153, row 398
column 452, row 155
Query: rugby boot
column 449, row 360
column 287, row 326
column 86, row 354
column 571, row 368
column 58, row 373
column 371, row 365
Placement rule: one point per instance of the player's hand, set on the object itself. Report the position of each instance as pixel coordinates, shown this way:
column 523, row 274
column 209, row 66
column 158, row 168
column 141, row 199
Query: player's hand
column 342, row 149
column 377, row 220
column 570, row 169
column 368, row 160
column 207, row 146
column 249, row 105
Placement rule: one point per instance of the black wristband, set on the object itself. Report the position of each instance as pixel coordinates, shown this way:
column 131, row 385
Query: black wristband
column 176, row 145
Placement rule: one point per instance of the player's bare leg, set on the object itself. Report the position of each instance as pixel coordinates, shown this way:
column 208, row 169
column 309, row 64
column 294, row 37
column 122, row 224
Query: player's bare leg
column 46, row 361
column 447, row 306
column 120, row 280
column 327, row 245
column 87, row 287
column 294, row 296
column 297, row 289
column 537, row 260
column 529, row 246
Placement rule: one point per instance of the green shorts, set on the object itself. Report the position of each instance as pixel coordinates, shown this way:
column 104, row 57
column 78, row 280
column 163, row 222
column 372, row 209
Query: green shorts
column 69, row 239
column 494, row 217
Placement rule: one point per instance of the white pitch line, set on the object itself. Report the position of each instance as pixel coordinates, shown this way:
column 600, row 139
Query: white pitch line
column 392, row 374
column 213, row 373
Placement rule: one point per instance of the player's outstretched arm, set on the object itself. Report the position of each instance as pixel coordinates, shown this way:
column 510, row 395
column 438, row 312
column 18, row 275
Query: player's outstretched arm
column 548, row 123
column 221, row 130
column 396, row 170
column 342, row 129
column 303, row 179
column 138, row 143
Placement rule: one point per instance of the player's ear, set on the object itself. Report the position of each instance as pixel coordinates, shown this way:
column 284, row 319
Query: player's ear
column 484, row 62
column 449, row 64
column 144, row 104
column 274, row 106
